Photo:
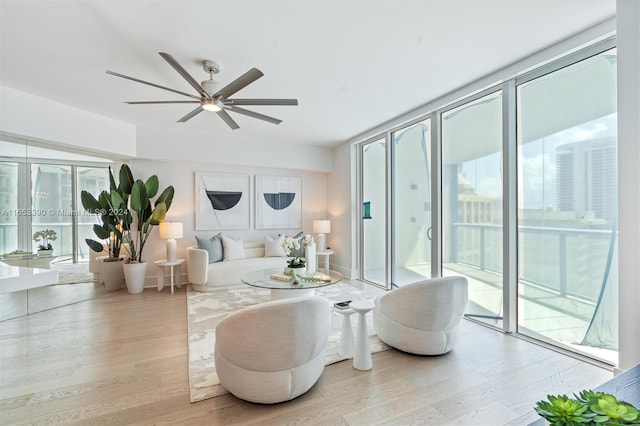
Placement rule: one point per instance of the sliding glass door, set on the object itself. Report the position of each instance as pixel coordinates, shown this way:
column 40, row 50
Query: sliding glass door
column 374, row 212
column 517, row 187
column 411, row 203
column 567, row 206
column 472, row 202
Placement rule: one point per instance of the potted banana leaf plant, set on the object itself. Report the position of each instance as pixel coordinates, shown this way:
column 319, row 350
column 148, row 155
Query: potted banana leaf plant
column 109, row 206
column 144, row 213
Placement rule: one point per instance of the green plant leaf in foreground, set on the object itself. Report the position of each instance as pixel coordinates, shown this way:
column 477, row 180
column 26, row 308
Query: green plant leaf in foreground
column 612, row 409
column 562, row 410
column 589, row 407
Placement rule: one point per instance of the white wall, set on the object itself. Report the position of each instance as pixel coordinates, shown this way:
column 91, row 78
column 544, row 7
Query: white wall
column 181, row 176
column 341, row 202
column 38, row 118
column 168, row 144
column 628, row 21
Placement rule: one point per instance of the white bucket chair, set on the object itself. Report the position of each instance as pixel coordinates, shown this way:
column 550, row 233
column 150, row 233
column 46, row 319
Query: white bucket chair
column 274, row 351
column 422, row 318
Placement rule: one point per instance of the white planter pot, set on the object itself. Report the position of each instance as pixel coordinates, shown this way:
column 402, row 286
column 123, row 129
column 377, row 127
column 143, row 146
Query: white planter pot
column 135, row 274
column 48, row 252
column 298, row 270
column 112, row 274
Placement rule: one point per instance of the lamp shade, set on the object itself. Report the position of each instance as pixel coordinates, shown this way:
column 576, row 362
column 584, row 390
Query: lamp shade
column 322, row 226
column 169, row 230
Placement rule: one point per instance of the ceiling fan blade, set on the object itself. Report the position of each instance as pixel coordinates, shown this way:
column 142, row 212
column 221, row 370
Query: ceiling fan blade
column 191, row 115
column 255, row 115
column 239, row 83
column 176, row 66
column 227, row 119
column 261, row 102
column 151, row 84
column 161, row 102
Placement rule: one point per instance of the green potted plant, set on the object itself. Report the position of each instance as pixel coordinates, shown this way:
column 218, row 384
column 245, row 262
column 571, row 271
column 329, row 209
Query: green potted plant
column 147, row 213
column 44, row 237
column 110, row 207
column 589, row 407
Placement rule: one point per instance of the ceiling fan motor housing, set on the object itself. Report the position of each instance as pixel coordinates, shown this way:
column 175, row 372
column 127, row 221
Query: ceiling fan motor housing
column 211, row 86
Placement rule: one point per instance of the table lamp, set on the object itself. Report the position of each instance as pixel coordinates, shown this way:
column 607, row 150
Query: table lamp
column 321, row 227
column 170, row 231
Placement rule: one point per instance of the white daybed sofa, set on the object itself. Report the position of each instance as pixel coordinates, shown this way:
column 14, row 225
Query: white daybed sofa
column 205, row 276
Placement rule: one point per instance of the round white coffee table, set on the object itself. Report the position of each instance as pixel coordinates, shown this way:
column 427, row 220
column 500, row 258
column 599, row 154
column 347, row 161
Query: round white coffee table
column 283, row 287
column 346, row 335
column 362, row 357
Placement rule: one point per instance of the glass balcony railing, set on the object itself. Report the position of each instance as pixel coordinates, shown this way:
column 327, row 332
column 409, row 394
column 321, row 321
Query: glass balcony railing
column 567, row 289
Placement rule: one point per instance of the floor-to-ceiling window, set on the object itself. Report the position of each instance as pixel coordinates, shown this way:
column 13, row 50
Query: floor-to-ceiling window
column 93, row 180
column 411, row 201
column 472, row 202
column 52, row 204
column 567, row 206
column 38, row 191
column 9, row 202
column 526, row 174
column 374, row 212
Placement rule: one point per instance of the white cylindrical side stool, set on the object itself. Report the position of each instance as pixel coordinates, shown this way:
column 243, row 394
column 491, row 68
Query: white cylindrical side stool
column 362, row 357
column 346, row 335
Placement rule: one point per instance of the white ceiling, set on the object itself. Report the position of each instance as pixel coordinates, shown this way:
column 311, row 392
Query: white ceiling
column 351, row 64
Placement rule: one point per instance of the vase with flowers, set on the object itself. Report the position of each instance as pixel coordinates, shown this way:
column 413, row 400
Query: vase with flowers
column 296, row 264
column 44, row 237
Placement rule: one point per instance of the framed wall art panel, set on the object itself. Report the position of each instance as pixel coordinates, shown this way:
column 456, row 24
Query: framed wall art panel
column 278, row 202
column 222, row 201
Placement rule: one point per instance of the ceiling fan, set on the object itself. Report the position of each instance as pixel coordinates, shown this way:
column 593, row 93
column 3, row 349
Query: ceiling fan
column 212, row 96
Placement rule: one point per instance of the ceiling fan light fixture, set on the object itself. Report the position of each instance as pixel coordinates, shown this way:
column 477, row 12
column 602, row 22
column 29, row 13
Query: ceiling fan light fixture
column 213, row 96
column 212, row 105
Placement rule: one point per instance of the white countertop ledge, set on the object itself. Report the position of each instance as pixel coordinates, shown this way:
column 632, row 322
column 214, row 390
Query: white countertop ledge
column 16, row 278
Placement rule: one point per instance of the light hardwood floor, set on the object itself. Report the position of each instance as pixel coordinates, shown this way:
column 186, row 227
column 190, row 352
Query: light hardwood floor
column 122, row 359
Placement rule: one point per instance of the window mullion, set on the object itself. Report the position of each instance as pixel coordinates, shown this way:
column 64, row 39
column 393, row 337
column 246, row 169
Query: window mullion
column 510, row 208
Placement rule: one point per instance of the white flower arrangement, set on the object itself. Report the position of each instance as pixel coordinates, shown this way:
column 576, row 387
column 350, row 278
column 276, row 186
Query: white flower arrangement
column 289, row 244
column 45, row 236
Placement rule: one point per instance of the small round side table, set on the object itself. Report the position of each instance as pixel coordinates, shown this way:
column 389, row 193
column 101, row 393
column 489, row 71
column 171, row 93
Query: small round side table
column 346, row 335
column 176, row 276
column 362, row 357
column 324, row 254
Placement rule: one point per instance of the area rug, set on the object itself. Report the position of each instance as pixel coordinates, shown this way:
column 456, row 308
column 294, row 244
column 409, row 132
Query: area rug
column 72, row 273
column 206, row 309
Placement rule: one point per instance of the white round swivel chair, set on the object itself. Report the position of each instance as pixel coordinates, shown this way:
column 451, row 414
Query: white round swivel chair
column 274, row 351
column 422, row 318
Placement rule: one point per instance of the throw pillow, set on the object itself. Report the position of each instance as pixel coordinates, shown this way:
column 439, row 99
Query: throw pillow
column 233, row 249
column 273, row 246
column 213, row 246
